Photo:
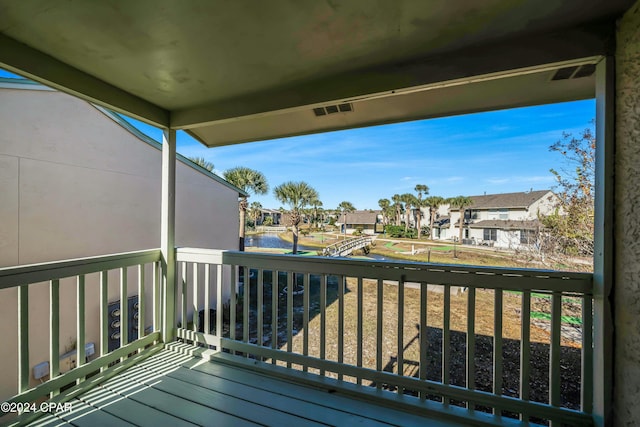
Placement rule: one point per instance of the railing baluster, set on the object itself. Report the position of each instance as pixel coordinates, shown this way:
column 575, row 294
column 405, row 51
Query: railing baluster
column 183, row 305
column 289, row 314
column 232, row 304
column 245, row 304
column 323, row 319
column 554, row 354
column 400, row 333
column 80, row 327
column 342, row 284
column 23, row 338
column 586, row 388
column 124, row 310
column 305, row 317
column 220, row 303
column 471, row 342
column 379, row 310
column 359, row 334
column 195, row 315
column 260, row 306
column 206, row 321
column 104, row 312
column 525, row 349
column 424, row 331
column 497, row 347
column 275, row 289
column 141, row 300
column 54, row 331
column 157, row 296
column 446, row 339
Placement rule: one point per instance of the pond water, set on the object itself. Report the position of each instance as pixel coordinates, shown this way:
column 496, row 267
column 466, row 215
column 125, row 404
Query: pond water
column 266, row 240
column 272, row 241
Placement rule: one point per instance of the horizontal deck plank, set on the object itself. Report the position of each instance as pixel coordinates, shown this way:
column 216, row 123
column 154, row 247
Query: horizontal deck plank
column 173, row 388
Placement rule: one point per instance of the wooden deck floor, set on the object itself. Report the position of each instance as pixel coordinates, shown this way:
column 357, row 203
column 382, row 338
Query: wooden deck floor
column 171, row 388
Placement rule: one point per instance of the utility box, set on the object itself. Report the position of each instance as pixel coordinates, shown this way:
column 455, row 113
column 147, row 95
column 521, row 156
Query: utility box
column 115, row 322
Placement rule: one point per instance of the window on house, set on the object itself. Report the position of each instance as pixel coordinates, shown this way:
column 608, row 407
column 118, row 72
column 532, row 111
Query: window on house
column 490, row 234
column 527, row 236
column 503, row 214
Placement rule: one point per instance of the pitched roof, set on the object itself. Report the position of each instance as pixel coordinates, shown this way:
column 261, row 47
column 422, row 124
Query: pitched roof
column 506, row 224
column 360, row 217
column 507, row 200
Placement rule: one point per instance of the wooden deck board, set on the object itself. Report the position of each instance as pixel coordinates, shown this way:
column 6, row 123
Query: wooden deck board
column 175, row 389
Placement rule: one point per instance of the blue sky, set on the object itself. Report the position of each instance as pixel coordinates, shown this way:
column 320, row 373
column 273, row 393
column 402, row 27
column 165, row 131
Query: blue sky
column 493, row 152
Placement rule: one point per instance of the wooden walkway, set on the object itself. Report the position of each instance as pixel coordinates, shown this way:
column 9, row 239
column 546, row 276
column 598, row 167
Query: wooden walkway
column 171, row 388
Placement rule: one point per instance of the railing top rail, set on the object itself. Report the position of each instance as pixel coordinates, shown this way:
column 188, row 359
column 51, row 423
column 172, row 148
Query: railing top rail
column 34, row 273
column 452, row 274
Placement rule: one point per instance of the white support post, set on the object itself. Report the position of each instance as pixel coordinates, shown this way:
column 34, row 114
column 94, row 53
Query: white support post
column 604, row 244
column 167, row 233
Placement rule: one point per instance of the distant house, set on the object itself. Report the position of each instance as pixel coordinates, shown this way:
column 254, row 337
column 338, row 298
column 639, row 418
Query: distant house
column 274, row 214
column 366, row 220
column 505, row 220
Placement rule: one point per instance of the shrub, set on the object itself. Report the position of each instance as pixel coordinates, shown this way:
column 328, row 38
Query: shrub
column 398, row 231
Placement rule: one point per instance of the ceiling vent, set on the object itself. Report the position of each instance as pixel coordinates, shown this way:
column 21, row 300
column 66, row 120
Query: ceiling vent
column 332, row 109
column 574, row 72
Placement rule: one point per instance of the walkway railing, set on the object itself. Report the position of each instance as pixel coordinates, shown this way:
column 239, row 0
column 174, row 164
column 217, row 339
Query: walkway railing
column 345, row 247
column 353, row 322
column 68, row 287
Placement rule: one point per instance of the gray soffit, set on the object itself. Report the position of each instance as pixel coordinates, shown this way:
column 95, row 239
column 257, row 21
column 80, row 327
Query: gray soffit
column 231, row 72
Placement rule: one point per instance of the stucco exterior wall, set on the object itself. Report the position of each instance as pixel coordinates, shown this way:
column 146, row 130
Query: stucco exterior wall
column 627, row 221
column 74, row 183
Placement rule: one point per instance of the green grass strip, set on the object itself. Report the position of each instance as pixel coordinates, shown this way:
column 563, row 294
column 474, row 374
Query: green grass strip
column 572, row 320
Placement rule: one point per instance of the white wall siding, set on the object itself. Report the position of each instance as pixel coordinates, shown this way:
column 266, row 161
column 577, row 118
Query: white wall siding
column 74, row 183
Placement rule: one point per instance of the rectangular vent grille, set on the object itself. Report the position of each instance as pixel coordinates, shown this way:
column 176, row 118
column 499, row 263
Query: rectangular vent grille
column 332, row 109
column 574, row 72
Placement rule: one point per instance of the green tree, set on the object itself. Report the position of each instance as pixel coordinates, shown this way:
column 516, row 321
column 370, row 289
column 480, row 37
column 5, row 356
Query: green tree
column 570, row 228
column 397, row 202
column 297, row 195
column 420, row 189
column 255, row 211
column 345, row 207
column 316, row 205
column 250, row 181
column 461, row 203
column 384, row 205
column 434, row 202
column 409, row 201
column 200, row 161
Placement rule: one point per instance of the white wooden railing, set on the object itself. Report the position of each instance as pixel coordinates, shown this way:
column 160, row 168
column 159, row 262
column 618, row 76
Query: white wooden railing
column 239, row 329
column 86, row 274
column 317, row 321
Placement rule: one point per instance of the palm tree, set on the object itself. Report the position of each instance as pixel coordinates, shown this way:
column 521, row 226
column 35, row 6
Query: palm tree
column 434, row 202
column 345, row 207
column 420, row 188
column 249, row 181
column 384, row 205
column 200, row 161
column 461, row 203
column 397, row 202
column 255, row 210
column 409, row 200
column 316, row 205
column 297, row 195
